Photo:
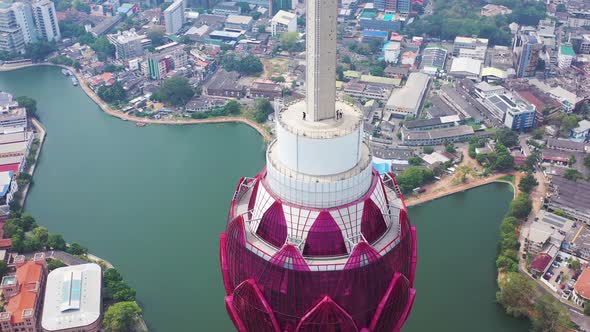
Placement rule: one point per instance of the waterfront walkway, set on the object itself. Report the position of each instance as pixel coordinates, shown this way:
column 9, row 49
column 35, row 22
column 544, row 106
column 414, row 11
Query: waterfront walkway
column 107, row 109
column 416, row 200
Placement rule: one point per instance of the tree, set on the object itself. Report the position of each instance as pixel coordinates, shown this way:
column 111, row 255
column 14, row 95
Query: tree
column 587, row 308
column 568, row 122
column 121, row 317
column 233, row 107
column 428, row 149
column 571, row 161
column 157, row 37
column 29, row 104
column 53, row 264
column 3, row 268
column 112, row 94
column 502, row 160
column 572, row 174
column 528, row 183
column 176, row 91
column 41, row 235
column 550, row 315
column 56, row 242
column 414, row 177
column 261, row 28
column 40, row 50
column 290, row 42
column 538, row 133
column 516, row 294
column 112, row 68
column 263, row 109
column 575, row 265
column 415, row 161
column 76, row 249
column 103, row 48
column 112, row 275
column 587, row 162
column 507, row 137
column 521, row 206
column 126, row 294
column 450, row 147
column 561, row 8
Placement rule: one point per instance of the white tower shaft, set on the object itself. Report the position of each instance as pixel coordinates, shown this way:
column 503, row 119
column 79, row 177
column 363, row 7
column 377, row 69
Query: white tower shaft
column 321, row 59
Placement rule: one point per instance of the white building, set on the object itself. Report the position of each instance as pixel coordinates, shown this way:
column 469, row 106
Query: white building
column 466, row 68
column 128, row 44
column 11, row 36
column 283, row 22
column 391, row 52
column 73, row 299
column 174, row 17
column 407, row 100
column 46, row 20
column 23, row 13
column 485, row 89
column 239, row 22
column 469, row 47
column 565, row 56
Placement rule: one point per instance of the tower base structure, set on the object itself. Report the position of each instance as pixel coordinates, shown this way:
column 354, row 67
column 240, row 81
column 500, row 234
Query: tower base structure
column 318, row 241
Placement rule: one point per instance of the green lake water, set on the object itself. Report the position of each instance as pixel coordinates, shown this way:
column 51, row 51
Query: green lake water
column 153, row 201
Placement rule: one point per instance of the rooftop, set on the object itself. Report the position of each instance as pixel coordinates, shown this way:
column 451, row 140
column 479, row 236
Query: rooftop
column 571, row 194
column 438, row 133
column 411, row 94
column 29, row 276
column 582, row 286
column 284, row 17
column 567, row 50
column 238, row 19
column 72, row 297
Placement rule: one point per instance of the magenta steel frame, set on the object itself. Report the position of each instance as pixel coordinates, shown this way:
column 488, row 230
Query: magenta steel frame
column 371, row 292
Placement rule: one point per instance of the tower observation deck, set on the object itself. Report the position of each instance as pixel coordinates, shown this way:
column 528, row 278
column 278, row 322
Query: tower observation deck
column 318, row 241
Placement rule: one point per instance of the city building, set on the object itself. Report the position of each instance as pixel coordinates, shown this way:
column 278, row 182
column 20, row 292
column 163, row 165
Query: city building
column 128, row 44
column 514, row 113
column 437, row 136
column 581, row 293
column 404, row 6
column 582, row 132
column 383, row 22
column 164, row 59
column 238, row 22
column 466, row 68
column 433, row 60
column 277, row 5
column 227, row 8
column 283, row 22
column 571, row 197
column 391, row 52
column 318, row 241
column 22, row 292
column 174, row 17
column 549, row 229
column 225, row 84
column 8, row 187
column 266, row 89
column 72, row 299
column 491, row 10
column 46, row 20
column 565, row 56
column 11, row 35
column 433, row 123
column 23, row 13
column 585, row 44
column 527, row 49
column 470, row 47
column 485, row 90
column 408, row 100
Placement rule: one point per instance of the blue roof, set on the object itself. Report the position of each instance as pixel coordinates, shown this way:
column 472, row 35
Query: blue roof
column 382, row 168
column 5, row 179
column 388, row 17
column 375, row 33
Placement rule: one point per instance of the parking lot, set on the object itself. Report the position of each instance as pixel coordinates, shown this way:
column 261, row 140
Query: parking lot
column 560, row 277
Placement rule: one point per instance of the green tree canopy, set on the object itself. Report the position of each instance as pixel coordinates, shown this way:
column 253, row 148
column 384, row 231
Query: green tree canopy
column 262, row 109
column 247, row 65
column 516, row 294
column 521, row 206
column 413, row 177
column 528, row 183
column 550, row 315
column 157, row 37
column 112, row 94
column 103, row 48
column 121, row 317
column 176, row 91
column 56, row 242
column 29, row 104
column 290, row 42
column 572, row 174
column 507, row 137
column 568, row 122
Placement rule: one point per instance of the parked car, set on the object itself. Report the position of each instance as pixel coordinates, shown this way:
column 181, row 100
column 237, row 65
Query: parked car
column 555, row 265
column 547, row 276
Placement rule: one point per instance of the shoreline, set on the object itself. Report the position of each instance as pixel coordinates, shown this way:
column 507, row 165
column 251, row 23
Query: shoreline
column 429, row 197
column 108, row 110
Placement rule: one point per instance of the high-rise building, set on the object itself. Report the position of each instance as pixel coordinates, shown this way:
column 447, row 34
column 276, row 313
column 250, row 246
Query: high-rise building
column 46, row 20
column 527, row 49
column 174, row 17
column 404, row 6
column 318, row 241
column 283, row 22
column 129, row 44
column 23, row 13
column 11, row 35
column 276, row 5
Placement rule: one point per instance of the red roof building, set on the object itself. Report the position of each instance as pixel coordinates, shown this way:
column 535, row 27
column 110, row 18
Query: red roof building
column 22, row 292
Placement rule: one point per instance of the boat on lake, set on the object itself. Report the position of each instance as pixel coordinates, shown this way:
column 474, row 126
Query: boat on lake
column 74, row 81
column 66, row 72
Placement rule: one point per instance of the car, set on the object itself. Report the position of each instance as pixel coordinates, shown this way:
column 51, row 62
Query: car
column 559, row 259
column 555, row 265
column 547, row 276
column 562, row 286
